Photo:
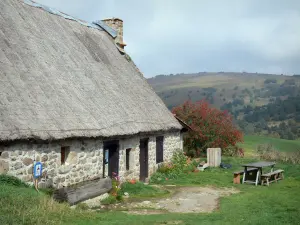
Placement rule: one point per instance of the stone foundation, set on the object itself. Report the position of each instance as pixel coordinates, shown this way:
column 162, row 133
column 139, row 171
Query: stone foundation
column 84, row 162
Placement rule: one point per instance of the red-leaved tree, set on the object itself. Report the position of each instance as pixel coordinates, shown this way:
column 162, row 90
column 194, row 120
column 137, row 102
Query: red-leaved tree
column 211, row 127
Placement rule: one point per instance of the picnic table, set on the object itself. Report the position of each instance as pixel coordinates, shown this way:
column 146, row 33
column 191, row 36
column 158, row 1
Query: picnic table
column 259, row 166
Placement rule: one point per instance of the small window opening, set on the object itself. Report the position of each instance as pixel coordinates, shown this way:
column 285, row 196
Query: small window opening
column 127, row 158
column 64, row 152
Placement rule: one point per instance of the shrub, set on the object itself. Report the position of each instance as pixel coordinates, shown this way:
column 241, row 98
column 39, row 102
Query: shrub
column 212, row 128
column 179, row 165
column 268, row 152
column 116, row 193
column 10, row 180
column 116, row 187
column 233, row 151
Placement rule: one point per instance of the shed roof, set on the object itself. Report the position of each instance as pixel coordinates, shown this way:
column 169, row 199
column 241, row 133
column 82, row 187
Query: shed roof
column 61, row 79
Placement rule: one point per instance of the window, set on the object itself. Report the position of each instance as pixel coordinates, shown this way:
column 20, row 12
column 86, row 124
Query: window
column 64, row 152
column 159, row 149
column 127, row 158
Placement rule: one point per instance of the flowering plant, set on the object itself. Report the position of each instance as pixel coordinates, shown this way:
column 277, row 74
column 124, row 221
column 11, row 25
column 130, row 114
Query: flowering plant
column 132, row 181
column 116, row 186
column 211, row 127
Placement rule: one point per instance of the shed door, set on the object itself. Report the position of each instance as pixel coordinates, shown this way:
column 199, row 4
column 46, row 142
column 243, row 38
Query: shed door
column 143, row 159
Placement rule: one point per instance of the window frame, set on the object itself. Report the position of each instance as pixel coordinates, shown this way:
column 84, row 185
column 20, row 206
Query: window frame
column 160, row 149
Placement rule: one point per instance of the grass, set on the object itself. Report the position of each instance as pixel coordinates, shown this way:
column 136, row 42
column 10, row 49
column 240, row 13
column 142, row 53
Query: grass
column 251, row 142
column 109, row 200
column 140, row 190
column 277, row 204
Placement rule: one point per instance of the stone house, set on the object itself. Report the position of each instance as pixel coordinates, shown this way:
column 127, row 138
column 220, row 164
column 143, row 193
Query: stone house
column 71, row 98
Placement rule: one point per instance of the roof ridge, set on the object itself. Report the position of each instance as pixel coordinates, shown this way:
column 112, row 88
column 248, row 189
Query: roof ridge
column 97, row 24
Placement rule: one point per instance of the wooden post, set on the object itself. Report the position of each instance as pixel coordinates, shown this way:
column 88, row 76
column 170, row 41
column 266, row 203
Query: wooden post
column 214, row 157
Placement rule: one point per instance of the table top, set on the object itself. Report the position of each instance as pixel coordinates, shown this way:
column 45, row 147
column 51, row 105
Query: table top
column 259, row 164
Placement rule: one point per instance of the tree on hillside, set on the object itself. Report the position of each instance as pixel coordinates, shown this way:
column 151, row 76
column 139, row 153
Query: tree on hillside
column 211, row 127
column 270, row 81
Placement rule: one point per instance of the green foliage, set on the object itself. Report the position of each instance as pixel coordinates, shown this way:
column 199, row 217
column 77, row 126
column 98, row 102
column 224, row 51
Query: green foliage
column 270, row 81
column 251, row 142
column 140, row 189
column 82, row 206
column 109, row 200
column 233, row 151
column 10, row 180
column 211, row 127
column 116, row 188
column 47, row 191
column 263, row 96
column 180, row 164
column 268, row 152
column 276, row 204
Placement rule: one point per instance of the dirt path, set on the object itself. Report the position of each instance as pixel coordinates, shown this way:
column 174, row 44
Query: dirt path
column 185, row 200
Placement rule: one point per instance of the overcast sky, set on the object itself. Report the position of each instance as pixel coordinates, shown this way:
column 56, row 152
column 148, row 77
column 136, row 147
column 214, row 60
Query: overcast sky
column 175, row 36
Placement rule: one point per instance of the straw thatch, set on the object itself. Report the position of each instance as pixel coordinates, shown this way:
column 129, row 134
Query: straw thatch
column 60, row 79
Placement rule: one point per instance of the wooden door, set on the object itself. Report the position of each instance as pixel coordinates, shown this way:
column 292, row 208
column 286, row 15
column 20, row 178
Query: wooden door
column 143, row 159
column 112, row 158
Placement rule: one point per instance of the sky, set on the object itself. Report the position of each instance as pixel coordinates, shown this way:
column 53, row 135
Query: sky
column 191, row 36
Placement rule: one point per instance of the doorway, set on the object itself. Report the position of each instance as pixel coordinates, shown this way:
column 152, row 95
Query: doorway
column 110, row 158
column 144, row 159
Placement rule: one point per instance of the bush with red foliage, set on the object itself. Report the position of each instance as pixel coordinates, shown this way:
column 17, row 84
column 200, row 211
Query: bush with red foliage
column 212, row 128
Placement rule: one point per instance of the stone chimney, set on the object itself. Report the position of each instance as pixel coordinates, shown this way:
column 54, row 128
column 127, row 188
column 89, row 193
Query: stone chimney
column 116, row 24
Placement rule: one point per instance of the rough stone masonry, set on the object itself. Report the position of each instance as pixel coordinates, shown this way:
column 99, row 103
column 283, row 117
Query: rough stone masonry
column 84, row 162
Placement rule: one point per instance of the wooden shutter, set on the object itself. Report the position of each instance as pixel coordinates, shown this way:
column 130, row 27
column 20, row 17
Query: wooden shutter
column 127, row 158
column 159, row 149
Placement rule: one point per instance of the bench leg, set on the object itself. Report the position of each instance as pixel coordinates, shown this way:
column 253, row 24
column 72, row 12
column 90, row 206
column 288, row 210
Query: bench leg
column 257, row 177
column 237, row 179
column 268, row 183
column 244, row 177
column 276, row 178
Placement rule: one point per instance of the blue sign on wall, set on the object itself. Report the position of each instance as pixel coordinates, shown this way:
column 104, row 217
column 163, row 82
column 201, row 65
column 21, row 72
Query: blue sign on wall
column 37, row 170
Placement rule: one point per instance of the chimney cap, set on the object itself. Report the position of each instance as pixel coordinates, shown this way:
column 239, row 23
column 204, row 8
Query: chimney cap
column 114, row 18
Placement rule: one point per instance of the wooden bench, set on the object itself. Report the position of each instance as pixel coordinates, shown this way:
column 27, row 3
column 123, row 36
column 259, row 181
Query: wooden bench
column 237, row 175
column 272, row 177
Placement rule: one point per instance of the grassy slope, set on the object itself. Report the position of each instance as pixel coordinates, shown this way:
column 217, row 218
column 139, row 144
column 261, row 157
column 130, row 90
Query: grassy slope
column 277, row 204
column 174, row 90
column 251, row 142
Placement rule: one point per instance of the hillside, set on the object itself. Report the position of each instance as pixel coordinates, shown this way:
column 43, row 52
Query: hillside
column 260, row 103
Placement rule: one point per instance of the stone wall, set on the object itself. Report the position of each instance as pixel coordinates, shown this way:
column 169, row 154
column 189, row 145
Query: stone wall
column 84, row 162
column 172, row 141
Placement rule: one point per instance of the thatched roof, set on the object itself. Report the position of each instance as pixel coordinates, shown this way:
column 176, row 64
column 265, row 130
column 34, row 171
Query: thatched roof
column 61, row 79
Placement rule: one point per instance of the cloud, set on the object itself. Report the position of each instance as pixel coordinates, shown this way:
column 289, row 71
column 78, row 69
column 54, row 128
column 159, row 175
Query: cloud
column 174, row 36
